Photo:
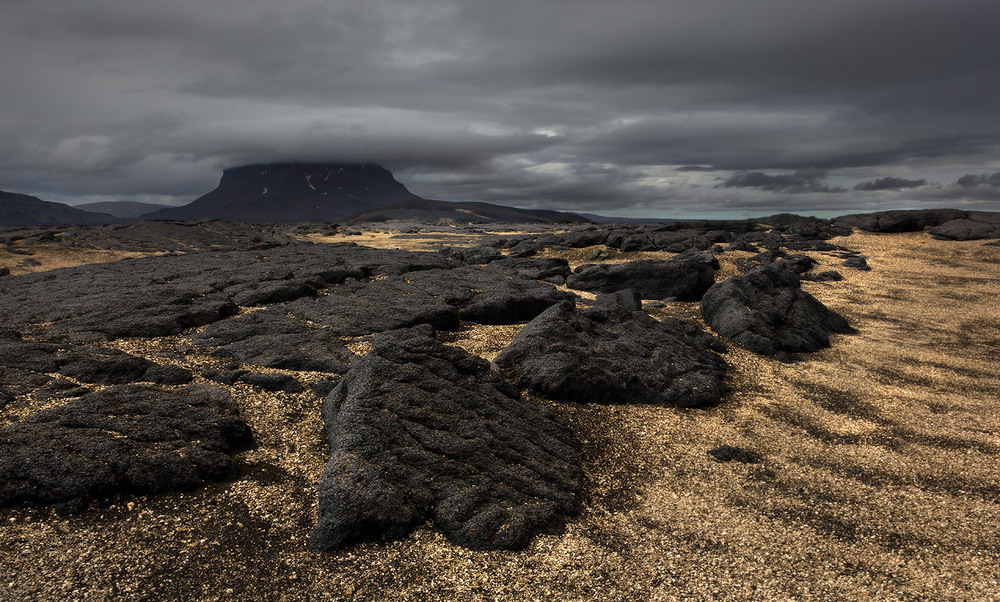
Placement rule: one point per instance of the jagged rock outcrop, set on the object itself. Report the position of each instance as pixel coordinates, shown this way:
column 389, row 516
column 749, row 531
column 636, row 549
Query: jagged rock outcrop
column 615, row 353
column 766, row 311
column 419, row 430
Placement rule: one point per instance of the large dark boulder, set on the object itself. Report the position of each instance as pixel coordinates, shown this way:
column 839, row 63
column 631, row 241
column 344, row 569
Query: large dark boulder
column 966, row 229
column 419, row 430
column 685, row 279
column 359, row 308
column 903, row 220
column 766, row 311
column 122, row 439
column 615, row 353
column 536, row 268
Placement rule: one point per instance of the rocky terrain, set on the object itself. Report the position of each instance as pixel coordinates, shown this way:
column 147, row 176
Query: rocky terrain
column 751, row 409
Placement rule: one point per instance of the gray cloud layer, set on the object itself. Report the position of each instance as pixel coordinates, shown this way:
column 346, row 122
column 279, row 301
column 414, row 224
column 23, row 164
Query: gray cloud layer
column 638, row 106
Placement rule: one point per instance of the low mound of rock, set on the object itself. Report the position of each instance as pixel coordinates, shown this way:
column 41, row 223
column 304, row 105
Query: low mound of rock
column 420, row 430
column 126, row 438
column 685, row 278
column 615, row 353
column 272, row 339
column 766, row 311
column 969, row 229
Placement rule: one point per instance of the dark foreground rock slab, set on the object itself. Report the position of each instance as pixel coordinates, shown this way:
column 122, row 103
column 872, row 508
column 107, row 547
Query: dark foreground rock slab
column 272, row 339
column 127, row 438
column 439, row 297
column 685, row 279
column 419, row 430
column 766, row 311
column 84, row 363
column 612, row 353
column 160, row 296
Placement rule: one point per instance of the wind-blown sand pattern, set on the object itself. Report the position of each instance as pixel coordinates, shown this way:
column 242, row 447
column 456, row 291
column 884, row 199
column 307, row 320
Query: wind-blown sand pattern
column 879, row 477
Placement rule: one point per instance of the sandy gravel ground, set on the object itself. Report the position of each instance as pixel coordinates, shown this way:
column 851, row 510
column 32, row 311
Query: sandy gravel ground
column 880, row 477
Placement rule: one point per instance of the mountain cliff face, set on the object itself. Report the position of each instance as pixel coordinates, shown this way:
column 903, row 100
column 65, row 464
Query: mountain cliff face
column 293, row 192
column 25, row 210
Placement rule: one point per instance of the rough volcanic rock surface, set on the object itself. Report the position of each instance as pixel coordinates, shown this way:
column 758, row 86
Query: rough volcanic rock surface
column 536, row 268
column 766, row 311
column 685, row 279
column 421, row 430
column 272, row 339
column 160, row 296
column 83, row 363
column 358, row 308
column 159, row 236
column 122, row 439
column 612, row 353
column 440, row 298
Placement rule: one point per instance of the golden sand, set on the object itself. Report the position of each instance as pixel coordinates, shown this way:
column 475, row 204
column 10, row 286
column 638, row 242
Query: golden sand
column 880, row 479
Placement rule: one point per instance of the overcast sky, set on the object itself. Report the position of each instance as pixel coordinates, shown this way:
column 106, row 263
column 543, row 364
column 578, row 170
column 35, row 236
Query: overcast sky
column 652, row 108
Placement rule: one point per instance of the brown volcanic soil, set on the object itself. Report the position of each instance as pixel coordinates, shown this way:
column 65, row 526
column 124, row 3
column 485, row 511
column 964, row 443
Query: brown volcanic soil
column 879, row 479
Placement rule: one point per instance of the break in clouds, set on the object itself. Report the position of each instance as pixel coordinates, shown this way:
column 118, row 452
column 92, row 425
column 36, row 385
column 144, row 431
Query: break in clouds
column 646, row 108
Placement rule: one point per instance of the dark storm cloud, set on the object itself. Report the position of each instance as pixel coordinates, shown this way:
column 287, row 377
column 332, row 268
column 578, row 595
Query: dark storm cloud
column 890, row 183
column 973, row 181
column 639, row 104
column 803, row 180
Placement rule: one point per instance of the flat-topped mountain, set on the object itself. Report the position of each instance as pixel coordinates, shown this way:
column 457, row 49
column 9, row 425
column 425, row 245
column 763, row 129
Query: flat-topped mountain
column 422, row 210
column 26, row 210
column 293, row 192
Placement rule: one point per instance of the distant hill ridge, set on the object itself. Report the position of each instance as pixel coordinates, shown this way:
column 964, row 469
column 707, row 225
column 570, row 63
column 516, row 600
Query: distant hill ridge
column 26, row 210
column 423, row 210
column 122, row 209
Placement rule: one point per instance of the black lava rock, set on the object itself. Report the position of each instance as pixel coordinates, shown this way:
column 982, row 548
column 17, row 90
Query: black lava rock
column 122, row 439
column 272, row 339
column 730, row 453
column 857, row 262
column 766, row 311
column 612, row 353
column 685, row 279
column 420, row 430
